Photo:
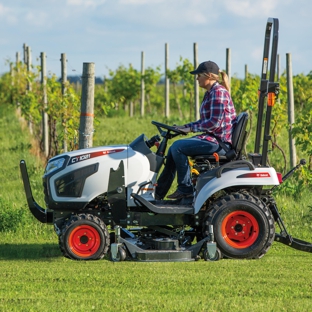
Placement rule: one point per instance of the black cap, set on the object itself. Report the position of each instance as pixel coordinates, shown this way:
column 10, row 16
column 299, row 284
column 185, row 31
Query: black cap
column 206, row 67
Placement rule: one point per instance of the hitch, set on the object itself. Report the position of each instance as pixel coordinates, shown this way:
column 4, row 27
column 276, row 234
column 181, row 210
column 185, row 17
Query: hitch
column 284, row 237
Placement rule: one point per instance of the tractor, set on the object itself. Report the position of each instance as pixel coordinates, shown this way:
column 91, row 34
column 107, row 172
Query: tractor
column 101, row 200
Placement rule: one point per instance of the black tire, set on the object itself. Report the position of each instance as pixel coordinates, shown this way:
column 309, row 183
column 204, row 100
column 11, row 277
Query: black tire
column 243, row 226
column 217, row 256
column 121, row 255
column 84, row 237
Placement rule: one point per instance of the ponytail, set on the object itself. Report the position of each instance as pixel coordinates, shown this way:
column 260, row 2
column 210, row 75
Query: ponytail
column 225, row 80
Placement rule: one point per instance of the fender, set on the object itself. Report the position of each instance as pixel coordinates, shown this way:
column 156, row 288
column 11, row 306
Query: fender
column 237, row 177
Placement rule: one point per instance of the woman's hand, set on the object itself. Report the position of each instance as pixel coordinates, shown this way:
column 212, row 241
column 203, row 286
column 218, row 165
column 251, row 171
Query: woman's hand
column 183, row 129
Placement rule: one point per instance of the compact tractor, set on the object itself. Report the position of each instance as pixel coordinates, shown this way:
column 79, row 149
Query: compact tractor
column 101, row 200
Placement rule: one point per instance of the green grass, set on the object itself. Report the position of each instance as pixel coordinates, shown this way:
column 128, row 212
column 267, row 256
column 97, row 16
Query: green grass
column 34, row 276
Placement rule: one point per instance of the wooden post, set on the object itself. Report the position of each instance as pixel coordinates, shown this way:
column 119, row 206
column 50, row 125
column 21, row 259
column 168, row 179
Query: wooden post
column 12, row 73
column 196, row 86
column 142, row 84
column 87, row 106
column 17, row 82
column 246, row 71
column 228, row 65
column 25, row 53
column 291, row 110
column 278, row 72
column 28, row 63
column 45, row 126
column 17, row 60
column 167, row 106
column 28, row 86
column 64, row 80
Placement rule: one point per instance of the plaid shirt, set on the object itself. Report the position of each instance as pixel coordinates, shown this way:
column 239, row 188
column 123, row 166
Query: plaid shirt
column 217, row 116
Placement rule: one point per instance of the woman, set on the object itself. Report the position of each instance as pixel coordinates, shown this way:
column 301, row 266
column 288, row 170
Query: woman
column 217, row 117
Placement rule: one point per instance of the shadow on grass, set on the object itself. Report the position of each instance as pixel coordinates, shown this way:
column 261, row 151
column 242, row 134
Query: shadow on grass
column 43, row 251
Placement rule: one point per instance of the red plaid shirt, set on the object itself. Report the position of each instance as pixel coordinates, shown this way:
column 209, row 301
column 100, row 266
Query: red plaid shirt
column 217, row 116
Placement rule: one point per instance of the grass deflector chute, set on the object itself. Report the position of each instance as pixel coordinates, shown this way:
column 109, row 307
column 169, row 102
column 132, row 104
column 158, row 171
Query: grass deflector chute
column 102, row 200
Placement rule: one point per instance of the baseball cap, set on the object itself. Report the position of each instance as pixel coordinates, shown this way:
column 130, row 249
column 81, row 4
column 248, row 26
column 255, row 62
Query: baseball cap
column 206, row 67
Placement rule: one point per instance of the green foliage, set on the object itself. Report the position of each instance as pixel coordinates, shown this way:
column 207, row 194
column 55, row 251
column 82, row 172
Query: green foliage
column 63, row 115
column 154, row 100
column 181, row 75
column 124, row 85
column 11, row 219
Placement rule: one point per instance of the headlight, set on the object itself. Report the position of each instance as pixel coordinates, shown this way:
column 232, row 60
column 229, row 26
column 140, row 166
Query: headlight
column 54, row 165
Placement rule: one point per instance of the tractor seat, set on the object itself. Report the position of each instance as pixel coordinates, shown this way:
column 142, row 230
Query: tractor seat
column 239, row 137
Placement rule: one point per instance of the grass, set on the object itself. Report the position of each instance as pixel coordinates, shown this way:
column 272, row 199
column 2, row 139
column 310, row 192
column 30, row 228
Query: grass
column 34, row 276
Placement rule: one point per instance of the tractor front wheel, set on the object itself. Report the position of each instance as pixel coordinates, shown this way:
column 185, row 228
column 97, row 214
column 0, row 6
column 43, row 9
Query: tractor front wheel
column 243, row 226
column 84, row 237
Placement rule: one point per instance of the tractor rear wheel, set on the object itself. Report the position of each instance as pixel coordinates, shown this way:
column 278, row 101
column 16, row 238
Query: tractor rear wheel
column 84, row 237
column 243, row 226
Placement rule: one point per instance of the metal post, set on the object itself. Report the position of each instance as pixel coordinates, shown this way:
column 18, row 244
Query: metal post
column 45, row 126
column 87, row 106
column 291, row 109
column 196, row 87
column 167, row 107
column 246, row 72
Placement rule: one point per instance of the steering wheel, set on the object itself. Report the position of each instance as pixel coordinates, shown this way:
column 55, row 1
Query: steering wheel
column 169, row 128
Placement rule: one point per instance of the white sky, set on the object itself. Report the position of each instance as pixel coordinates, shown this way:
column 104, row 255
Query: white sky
column 114, row 32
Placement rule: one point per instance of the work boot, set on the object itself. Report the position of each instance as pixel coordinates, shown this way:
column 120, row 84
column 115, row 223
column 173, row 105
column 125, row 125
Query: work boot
column 177, row 195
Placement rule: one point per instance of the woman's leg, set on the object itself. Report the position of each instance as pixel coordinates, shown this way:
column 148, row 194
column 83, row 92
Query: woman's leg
column 180, row 150
column 166, row 177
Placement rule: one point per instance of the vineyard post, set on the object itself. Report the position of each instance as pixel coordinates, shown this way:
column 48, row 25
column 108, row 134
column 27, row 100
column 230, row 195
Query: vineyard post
column 28, row 62
column 64, row 80
column 142, row 84
column 278, row 73
column 12, row 73
column 87, row 106
column 228, row 65
column 45, row 126
column 25, row 53
column 167, row 108
column 246, row 71
column 28, row 87
column 17, row 82
column 196, row 87
column 291, row 110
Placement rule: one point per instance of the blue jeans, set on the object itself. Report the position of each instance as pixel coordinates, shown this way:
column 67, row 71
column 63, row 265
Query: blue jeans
column 177, row 162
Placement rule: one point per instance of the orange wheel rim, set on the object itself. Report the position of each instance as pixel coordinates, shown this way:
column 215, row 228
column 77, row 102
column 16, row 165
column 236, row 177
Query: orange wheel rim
column 240, row 229
column 84, row 241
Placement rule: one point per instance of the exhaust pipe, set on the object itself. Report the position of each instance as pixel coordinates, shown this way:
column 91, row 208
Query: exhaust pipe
column 38, row 212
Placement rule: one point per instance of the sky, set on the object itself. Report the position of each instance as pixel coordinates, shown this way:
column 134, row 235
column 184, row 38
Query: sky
column 110, row 33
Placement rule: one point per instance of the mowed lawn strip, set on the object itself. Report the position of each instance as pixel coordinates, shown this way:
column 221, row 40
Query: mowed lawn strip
column 281, row 281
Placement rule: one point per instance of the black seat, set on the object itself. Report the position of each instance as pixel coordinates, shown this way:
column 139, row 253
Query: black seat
column 239, row 137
